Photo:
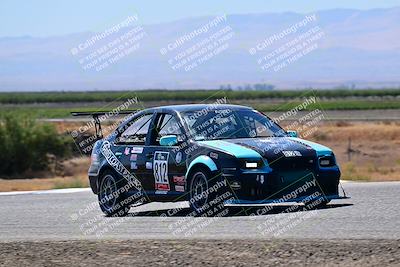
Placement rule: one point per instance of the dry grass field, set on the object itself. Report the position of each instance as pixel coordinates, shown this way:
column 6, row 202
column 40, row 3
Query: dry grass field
column 375, row 155
column 375, row 149
column 73, row 175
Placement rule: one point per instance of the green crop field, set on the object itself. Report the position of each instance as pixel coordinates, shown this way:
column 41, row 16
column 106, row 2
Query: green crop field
column 34, row 104
column 185, row 95
column 64, row 112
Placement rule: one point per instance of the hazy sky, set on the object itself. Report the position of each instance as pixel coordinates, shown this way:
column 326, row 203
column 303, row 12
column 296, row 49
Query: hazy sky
column 50, row 17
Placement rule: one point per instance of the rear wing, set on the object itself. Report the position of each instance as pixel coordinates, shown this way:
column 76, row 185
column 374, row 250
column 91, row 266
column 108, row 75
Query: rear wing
column 97, row 122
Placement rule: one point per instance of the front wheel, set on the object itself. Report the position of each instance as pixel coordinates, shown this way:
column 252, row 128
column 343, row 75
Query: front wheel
column 206, row 193
column 110, row 197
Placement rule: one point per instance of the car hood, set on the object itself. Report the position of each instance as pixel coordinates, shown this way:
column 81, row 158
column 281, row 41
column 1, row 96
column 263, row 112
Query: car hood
column 269, row 147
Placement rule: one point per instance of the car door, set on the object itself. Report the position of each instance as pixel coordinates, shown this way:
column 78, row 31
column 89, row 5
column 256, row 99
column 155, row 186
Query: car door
column 167, row 162
column 130, row 148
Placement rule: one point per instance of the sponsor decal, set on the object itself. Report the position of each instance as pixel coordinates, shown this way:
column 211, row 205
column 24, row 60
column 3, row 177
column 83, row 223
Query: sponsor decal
column 137, row 150
column 160, row 170
column 213, row 155
column 134, row 165
column 149, row 165
column 126, row 152
column 178, row 157
column 133, row 157
column 160, row 192
column 118, row 166
column 236, row 185
column 179, row 180
column 179, row 188
column 293, row 153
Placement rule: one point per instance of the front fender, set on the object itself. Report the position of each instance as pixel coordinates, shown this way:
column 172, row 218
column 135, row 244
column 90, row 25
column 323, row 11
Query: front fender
column 203, row 160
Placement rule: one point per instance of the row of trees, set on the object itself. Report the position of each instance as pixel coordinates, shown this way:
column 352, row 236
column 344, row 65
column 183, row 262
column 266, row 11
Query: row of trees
column 249, row 87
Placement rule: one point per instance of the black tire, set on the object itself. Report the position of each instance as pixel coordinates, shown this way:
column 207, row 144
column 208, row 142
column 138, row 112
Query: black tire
column 111, row 199
column 204, row 201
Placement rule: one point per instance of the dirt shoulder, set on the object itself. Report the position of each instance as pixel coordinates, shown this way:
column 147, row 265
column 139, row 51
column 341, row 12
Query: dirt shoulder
column 202, row 253
column 73, row 174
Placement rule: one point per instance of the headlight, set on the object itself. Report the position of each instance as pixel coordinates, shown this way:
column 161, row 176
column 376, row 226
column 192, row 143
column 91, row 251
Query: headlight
column 327, row 161
column 251, row 165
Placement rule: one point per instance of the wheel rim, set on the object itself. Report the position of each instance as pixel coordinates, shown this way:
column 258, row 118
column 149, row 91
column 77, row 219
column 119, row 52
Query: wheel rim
column 198, row 190
column 108, row 188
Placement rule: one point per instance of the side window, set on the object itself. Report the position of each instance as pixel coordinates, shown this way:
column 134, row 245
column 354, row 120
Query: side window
column 136, row 133
column 167, row 125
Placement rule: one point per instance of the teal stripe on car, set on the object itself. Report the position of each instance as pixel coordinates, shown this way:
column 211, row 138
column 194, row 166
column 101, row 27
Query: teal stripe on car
column 320, row 149
column 205, row 160
column 231, row 148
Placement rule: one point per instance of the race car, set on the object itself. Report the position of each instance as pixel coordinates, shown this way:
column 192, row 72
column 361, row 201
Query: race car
column 210, row 155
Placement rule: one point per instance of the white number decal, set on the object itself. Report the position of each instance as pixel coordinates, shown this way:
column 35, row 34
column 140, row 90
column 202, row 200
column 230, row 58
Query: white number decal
column 160, row 170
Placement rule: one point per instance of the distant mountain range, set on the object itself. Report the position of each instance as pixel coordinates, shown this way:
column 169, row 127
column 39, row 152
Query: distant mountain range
column 358, row 48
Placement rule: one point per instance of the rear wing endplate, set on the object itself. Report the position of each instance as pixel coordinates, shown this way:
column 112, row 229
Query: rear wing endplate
column 96, row 114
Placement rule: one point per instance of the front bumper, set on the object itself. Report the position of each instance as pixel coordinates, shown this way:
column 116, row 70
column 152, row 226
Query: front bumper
column 274, row 201
column 267, row 185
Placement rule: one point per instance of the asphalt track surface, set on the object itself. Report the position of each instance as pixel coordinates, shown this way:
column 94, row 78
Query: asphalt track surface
column 373, row 212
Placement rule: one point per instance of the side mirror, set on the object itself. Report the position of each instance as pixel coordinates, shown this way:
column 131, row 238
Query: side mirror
column 292, row 133
column 169, row 140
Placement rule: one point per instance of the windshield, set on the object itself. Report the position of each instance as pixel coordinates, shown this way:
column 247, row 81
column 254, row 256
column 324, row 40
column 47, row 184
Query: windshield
column 229, row 124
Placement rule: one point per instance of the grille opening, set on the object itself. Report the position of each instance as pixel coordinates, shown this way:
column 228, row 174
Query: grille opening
column 298, row 163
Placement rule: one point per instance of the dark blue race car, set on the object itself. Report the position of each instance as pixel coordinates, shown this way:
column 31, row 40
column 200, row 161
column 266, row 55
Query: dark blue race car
column 209, row 155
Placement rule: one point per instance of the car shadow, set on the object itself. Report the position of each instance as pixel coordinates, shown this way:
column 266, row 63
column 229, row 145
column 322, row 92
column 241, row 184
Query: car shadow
column 234, row 211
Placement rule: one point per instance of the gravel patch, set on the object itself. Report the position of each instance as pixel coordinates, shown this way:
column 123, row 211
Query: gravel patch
column 202, row 253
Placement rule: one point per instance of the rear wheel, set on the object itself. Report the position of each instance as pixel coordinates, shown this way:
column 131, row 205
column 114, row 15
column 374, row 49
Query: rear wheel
column 111, row 198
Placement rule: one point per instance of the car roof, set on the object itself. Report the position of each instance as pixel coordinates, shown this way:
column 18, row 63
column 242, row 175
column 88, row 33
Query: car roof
column 195, row 107
column 187, row 107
